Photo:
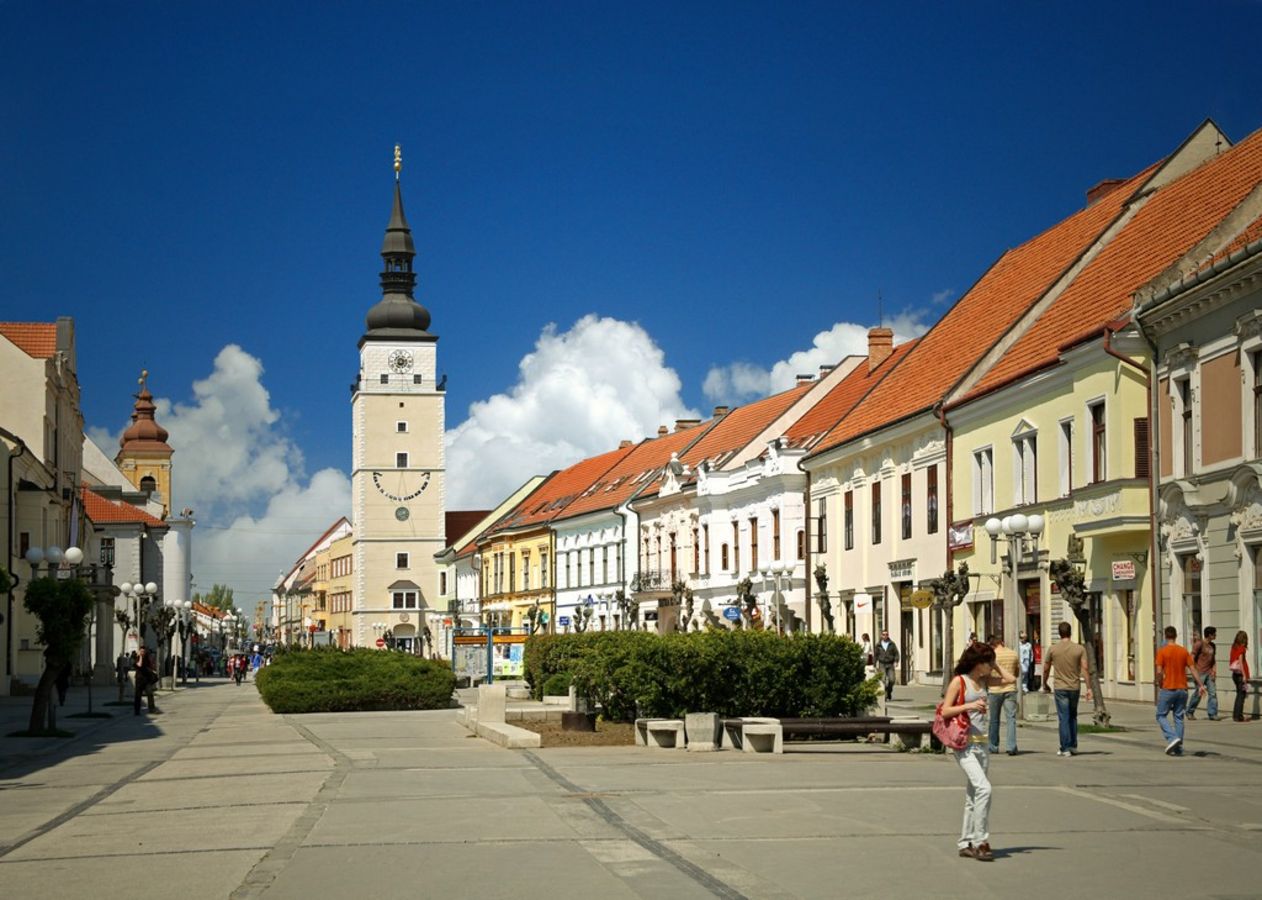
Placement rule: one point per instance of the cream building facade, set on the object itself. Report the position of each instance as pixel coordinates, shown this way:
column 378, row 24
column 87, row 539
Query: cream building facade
column 397, row 469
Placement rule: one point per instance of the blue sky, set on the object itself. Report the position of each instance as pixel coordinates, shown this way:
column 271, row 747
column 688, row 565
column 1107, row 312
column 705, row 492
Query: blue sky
column 735, row 178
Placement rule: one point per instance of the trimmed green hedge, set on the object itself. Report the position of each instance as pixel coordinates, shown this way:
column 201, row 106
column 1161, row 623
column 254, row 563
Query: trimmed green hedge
column 733, row 673
column 331, row 680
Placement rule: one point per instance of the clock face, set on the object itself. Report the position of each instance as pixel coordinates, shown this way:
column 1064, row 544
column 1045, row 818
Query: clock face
column 400, row 486
column 401, row 513
column 400, row 361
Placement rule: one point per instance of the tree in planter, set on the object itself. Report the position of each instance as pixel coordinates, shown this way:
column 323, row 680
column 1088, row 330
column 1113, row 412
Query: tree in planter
column 1073, row 590
column 534, row 617
column 825, row 605
column 683, row 597
column 162, row 620
column 61, row 607
column 629, row 609
column 582, row 616
column 949, row 592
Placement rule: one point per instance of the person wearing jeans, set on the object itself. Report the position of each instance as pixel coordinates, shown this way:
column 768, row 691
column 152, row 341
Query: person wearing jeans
column 1002, row 685
column 966, row 696
column 1069, row 663
column 1239, row 674
column 1174, row 665
column 1205, row 671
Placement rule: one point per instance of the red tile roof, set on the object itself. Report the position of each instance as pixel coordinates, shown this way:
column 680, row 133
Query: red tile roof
column 735, row 430
column 960, row 338
column 834, row 405
column 637, row 470
column 103, row 511
column 37, row 339
column 559, row 491
column 1173, row 221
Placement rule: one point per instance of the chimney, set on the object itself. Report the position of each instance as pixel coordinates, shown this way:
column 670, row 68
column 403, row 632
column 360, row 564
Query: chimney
column 624, row 444
column 721, row 411
column 825, row 369
column 662, row 431
column 681, row 424
column 1104, row 187
column 805, row 379
column 880, row 346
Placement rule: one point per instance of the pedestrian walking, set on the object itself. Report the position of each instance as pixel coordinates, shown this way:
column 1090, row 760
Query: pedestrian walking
column 122, row 666
column 1002, row 686
column 1025, row 656
column 886, row 653
column 1069, row 662
column 1238, row 662
column 966, row 696
column 1205, row 673
column 146, row 678
column 1174, row 665
column 63, row 684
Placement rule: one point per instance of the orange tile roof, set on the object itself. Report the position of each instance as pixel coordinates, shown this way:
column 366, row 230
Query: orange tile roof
column 558, row 492
column 1252, row 233
column 37, row 339
column 960, row 338
column 735, row 430
column 103, row 511
column 1175, row 218
column 842, row 398
column 637, row 470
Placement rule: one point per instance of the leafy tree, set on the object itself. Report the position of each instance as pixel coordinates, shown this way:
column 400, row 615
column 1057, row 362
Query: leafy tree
column 219, row 596
column 949, row 592
column 825, row 605
column 61, row 607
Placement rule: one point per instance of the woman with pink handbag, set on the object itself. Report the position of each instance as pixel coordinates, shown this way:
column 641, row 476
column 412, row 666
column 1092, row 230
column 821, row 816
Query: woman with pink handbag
column 966, row 699
column 1239, row 665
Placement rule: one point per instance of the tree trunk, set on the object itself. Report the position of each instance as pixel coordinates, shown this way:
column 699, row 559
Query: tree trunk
column 1100, row 713
column 43, row 718
column 948, row 646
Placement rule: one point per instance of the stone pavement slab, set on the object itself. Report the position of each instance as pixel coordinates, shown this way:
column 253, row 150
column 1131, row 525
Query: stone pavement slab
column 224, row 799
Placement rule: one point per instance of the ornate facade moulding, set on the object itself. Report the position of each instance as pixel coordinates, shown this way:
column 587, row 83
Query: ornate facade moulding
column 1181, row 529
column 1249, row 325
column 1183, row 356
column 1244, row 497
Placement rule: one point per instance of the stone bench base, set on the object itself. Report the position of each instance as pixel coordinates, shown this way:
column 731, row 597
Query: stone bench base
column 760, row 737
column 665, row 734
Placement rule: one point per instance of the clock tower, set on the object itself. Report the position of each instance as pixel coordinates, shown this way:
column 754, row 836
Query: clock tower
column 397, row 465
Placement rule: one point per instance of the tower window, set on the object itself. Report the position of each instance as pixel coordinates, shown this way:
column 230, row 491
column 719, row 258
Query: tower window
column 385, row 378
column 400, row 460
column 400, row 427
column 148, row 483
column 400, row 560
column 416, row 378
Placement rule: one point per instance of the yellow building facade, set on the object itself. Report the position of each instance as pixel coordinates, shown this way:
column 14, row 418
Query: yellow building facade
column 337, row 619
column 1066, row 448
column 517, row 572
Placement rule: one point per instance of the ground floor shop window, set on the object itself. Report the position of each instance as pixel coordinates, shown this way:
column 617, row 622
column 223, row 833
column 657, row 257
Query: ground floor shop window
column 1255, row 640
column 1126, row 602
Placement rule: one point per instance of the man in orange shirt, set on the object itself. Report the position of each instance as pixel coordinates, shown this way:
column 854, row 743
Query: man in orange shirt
column 1174, row 664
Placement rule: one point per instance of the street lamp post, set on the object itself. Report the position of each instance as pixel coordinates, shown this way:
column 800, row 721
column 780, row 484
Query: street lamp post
column 776, row 573
column 1015, row 529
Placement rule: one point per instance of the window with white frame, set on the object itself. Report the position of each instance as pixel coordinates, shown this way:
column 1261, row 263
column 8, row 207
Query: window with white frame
column 403, row 600
column 1186, row 424
column 1255, row 400
column 401, row 560
column 1025, row 469
column 401, row 426
column 1066, row 457
column 400, row 460
column 983, row 481
column 1099, row 441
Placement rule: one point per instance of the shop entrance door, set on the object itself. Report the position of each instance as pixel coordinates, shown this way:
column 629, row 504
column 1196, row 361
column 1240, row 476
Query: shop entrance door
column 906, row 645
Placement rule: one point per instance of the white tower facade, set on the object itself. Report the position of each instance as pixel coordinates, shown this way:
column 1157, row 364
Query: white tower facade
column 397, row 467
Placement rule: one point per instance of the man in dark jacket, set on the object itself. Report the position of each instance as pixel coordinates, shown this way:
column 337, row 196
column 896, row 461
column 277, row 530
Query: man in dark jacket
column 886, row 653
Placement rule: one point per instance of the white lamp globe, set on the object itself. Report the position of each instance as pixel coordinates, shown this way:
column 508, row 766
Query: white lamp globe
column 993, row 526
column 53, row 554
column 1036, row 525
column 1019, row 523
column 151, row 588
column 187, row 604
column 35, row 556
column 74, row 555
column 125, row 587
column 1006, row 525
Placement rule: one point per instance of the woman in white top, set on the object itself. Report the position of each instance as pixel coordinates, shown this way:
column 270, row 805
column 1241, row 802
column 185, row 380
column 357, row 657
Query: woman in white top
column 966, row 696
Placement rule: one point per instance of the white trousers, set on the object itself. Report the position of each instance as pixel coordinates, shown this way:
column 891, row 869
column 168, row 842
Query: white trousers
column 975, row 761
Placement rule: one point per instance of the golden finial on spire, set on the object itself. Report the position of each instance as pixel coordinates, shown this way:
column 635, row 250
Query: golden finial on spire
column 144, row 376
column 398, row 161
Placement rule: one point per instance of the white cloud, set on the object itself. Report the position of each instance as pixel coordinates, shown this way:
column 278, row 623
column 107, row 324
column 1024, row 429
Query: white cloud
column 741, row 381
column 942, row 296
column 244, row 479
column 578, row 393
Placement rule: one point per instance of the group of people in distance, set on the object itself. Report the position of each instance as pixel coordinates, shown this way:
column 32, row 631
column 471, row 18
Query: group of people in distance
column 988, row 675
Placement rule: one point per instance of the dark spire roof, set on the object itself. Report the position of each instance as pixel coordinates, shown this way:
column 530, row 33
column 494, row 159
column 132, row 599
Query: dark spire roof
column 397, row 315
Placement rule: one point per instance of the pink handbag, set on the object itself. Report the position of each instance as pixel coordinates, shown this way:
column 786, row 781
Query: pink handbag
column 952, row 732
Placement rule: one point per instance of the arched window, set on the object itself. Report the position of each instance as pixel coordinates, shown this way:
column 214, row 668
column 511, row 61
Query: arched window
column 148, row 483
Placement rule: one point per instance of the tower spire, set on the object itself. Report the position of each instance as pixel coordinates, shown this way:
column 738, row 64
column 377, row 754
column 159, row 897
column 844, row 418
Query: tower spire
column 397, row 313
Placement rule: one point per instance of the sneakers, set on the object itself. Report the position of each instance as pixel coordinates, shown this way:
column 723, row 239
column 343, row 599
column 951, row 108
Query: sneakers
column 982, row 852
column 968, row 852
column 1062, row 752
column 1175, row 747
column 1012, row 752
column 1189, row 715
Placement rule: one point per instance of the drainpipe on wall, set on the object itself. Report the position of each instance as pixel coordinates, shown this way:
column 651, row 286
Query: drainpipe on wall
column 11, row 519
column 1154, row 456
